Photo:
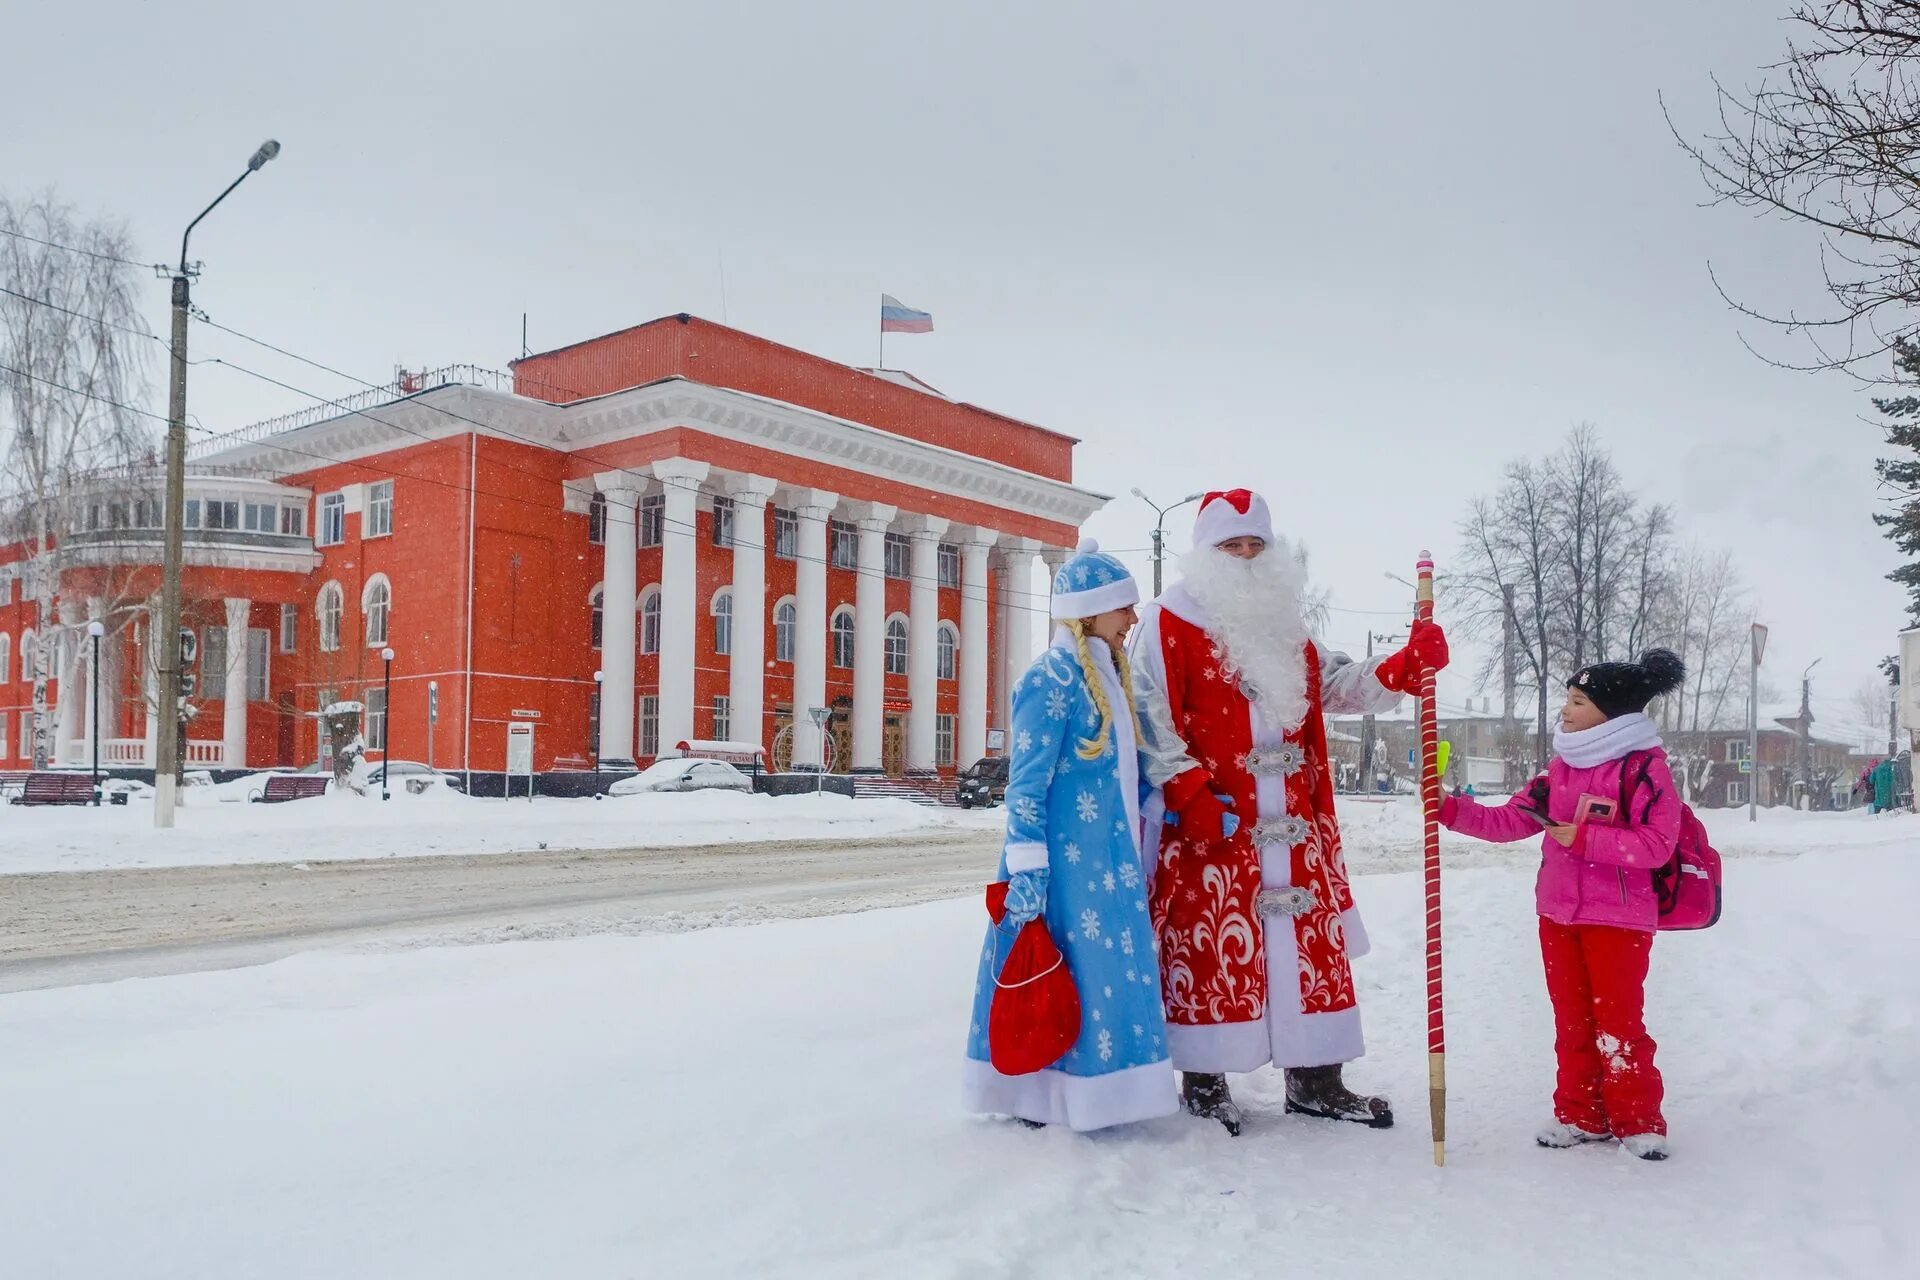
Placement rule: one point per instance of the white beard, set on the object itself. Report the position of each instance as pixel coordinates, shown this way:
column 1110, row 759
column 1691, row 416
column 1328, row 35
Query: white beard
column 1257, row 626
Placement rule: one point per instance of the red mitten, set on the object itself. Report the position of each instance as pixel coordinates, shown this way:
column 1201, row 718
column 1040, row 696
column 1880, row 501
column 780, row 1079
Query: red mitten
column 1426, row 648
column 1204, row 818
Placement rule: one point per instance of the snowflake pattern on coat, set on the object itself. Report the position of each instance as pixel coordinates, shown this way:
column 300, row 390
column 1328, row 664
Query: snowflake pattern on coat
column 1056, row 799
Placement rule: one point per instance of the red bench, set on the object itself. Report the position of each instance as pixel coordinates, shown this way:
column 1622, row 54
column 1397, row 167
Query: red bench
column 282, row 787
column 56, row 788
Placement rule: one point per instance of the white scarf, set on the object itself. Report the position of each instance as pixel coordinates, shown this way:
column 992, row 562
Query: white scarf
column 1606, row 741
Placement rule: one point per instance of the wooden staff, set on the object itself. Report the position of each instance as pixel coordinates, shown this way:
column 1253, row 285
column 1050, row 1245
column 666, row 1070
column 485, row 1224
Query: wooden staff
column 1430, row 802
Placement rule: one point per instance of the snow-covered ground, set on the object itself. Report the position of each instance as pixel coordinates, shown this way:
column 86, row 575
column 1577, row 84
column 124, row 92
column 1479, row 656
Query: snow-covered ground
column 217, row 827
column 781, row 1101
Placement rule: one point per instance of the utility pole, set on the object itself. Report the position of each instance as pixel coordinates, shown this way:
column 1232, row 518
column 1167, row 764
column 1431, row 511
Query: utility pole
column 1759, row 647
column 1159, row 538
column 166, row 635
column 1369, row 734
column 1806, row 731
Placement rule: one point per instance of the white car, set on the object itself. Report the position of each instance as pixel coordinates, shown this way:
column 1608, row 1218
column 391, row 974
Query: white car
column 683, row 775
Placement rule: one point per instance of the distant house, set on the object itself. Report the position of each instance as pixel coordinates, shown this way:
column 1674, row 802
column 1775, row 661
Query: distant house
column 1711, row 765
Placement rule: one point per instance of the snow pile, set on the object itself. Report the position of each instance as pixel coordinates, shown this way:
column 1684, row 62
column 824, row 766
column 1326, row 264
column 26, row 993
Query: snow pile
column 439, row 821
column 781, row 1101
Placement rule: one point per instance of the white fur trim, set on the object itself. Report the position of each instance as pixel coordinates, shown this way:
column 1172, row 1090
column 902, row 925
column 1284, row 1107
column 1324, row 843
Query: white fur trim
column 1095, row 600
column 1302, row 1039
column 1221, row 1046
column 1217, row 522
column 1026, row 855
column 1358, row 943
column 1080, row 1103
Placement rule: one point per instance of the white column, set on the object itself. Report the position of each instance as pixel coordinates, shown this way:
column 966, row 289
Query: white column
column 923, row 642
column 812, row 508
column 1016, row 636
column 747, row 670
column 73, row 636
column 870, row 635
column 149, row 657
column 95, row 713
column 233, row 736
column 681, row 478
column 619, row 600
column 974, row 547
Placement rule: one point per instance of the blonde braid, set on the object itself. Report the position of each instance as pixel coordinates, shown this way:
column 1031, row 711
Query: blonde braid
column 1095, row 747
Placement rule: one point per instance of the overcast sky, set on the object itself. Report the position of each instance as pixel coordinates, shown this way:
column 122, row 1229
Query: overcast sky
column 1357, row 257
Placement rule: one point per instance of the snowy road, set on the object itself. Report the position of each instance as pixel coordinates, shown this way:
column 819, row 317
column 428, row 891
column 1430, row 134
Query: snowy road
column 64, row 928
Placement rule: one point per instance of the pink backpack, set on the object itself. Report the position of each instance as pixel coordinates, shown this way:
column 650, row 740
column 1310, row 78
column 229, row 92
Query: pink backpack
column 1688, row 886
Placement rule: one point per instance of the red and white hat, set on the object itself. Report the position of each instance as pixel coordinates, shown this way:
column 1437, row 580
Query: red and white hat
column 1226, row 514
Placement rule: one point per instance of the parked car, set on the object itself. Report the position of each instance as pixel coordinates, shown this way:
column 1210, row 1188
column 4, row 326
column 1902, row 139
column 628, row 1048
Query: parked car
column 404, row 769
column 985, row 784
column 683, row 775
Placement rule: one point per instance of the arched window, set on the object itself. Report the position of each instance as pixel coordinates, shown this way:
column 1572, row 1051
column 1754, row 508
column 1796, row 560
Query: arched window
column 896, row 646
column 947, row 650
column 596, row 601
column 377, row 602
column 842, row 632
column 328, row 608
column 26, row 657
column 597, row 518
column 650, row 621
column 786, row 624
column 6, row 657
column 723, row 622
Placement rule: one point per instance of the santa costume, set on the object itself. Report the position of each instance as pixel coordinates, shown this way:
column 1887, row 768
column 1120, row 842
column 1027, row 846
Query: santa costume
column 1073, row 856
column 1255, row 919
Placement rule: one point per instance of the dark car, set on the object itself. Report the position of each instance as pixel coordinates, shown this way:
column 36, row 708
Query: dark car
column 985, row 784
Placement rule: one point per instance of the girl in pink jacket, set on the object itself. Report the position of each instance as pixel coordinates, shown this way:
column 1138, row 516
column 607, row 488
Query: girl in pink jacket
column 1595, row 896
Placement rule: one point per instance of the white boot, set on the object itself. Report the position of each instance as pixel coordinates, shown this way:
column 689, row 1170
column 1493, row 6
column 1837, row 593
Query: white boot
column 1559, row 1136
column 1648, row 1146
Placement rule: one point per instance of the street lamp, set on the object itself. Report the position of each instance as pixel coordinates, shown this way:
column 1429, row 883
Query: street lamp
column 386, row 727
column 593, row 729
column 95, row 630
column 1160, row 513
column 167, row 748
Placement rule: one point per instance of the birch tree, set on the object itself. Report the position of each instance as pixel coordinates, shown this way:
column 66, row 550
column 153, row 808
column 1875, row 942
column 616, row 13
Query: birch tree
column 73, row 357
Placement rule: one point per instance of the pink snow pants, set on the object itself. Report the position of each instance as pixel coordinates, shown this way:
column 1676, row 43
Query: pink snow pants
column 1596, row 978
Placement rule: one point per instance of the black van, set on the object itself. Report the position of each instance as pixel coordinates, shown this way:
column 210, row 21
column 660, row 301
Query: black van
column 985, row 784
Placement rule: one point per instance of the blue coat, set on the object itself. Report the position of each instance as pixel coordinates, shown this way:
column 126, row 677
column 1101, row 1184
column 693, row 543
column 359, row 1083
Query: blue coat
column 1081, row 820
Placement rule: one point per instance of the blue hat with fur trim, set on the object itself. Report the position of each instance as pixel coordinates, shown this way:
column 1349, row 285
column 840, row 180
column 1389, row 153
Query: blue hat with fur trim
column 1092, row 582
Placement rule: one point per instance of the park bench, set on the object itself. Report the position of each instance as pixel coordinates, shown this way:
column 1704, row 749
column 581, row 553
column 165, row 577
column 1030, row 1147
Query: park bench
column 56, row 788
column 12, row 780
column 282, row 787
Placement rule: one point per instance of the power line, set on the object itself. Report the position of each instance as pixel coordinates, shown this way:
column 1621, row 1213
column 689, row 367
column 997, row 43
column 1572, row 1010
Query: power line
column 67, row 248
column 87, row 395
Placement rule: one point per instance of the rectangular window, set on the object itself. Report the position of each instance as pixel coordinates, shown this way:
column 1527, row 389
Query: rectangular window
column 190, row 517
column 93, row 516
column 943, row 740
column 597, row 520
column 845, row 541
column 293, row 521
column 222, row 515
column 899, row 556
column 722, row 718
column 1736, row 750
column 262, row 517
column 949, row 565
column 213, row 662
column 4, row 743
column 289, row 627
column 376, row 699
column 26, row 735
column 649, row 726
column 117, row 515
column 258, row 641
column 786, row 534
column 1736, row 793
column 6, row 587
column 723, row 522
column 324, row 699
column 653, row 519
column 332, row 524
column 148, row 514
column 379, row 521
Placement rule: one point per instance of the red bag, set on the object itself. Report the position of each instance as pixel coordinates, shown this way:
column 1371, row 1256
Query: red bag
column 1035, row 1015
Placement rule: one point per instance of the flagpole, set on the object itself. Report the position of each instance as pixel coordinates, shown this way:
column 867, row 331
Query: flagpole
column 883, row 333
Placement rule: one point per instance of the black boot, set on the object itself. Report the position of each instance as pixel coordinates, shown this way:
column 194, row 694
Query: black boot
column 1207, row 1097
column 1319, row 1091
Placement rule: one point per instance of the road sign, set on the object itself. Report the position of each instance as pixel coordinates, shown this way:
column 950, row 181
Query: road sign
column 433, row 702
column 996, row 739
column 520, row 756
column 189, row 646
column 1759, row 643
column 1746, row 766
column 820, row 715
column 189, row 683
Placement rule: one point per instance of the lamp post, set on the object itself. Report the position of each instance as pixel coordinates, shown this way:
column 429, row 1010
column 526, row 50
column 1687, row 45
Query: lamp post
column 593, row 728
column 95, row 630
column 167, row 748
column 386, row 728
column 1160, row 520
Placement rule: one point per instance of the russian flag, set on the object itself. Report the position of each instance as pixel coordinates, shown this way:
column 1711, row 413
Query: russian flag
column 897, row 317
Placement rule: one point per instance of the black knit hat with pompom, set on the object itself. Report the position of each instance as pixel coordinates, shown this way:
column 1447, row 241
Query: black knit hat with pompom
column 1620, row 688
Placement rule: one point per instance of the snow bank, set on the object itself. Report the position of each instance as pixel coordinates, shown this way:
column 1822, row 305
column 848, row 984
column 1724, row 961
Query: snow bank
column 209, row 831
column 781, row 1101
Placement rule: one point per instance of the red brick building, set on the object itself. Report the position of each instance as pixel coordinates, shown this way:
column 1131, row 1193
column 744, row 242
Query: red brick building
column 719, row 527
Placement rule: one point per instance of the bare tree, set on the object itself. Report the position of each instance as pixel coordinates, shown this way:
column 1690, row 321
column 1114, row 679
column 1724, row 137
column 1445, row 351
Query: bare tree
column 72, row 360
column 1651, row 574
column 1829, row 138
column 1508, row 577
column 1594, row 516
